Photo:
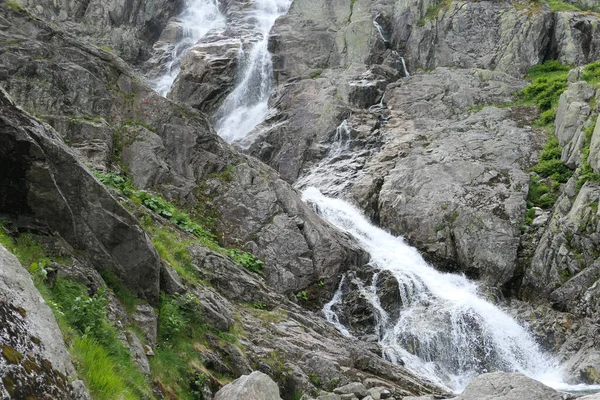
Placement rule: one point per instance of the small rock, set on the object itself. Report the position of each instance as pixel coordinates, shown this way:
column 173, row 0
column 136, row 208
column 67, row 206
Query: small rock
column 355, row 388
column 256, row 386
column 147, row 320
column 170, row 282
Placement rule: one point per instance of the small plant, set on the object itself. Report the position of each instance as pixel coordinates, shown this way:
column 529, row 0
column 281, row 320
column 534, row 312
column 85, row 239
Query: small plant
column 247, row 260
column 259, row 305
column 321, row 283
column 302, row 295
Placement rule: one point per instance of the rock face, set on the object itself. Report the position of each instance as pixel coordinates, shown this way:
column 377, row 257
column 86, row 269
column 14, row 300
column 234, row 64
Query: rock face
column 128, row 29
column 174, row 150
column 46, row 187
column 34, row 362
column 507, row 386
column 256, row 386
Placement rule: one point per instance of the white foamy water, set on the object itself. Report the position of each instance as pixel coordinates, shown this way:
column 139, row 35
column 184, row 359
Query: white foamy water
column 446, row 332
column 198, row 18
column 247, row 105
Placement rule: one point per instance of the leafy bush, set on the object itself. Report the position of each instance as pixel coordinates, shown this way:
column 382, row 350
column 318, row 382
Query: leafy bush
column 246, row 260
column 591, row 72
column 548, row 82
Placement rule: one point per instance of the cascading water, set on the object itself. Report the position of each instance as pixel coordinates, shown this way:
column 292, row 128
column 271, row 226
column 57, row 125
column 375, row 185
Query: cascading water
column 247, row 106
column 445, row 331
column 198, row 18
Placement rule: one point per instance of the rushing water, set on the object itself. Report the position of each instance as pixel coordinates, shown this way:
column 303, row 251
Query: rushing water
column 445, row 332
column 198, row 18
column 247, row 105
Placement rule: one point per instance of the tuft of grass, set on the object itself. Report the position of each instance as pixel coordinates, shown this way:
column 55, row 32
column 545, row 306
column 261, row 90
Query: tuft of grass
column 559, row 5
column 548, row 82
column 591, row 73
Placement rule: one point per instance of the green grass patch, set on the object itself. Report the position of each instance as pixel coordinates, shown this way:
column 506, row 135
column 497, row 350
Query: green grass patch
column 548, row 82
column 591, row 73
column 558, row 5
column 102, row 361
column 586, row 173
column 169, row 245
column 182, row 333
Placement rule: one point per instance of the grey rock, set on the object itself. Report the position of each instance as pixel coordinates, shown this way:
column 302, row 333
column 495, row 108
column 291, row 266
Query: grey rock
column 355, row 388
column 571, row 114
column 129, row 29
column 146, row 319
column 256, row 386
column 50, row 185
column 170, row 282
column 138, row 354
column 329, row 397
column 591, row 397
column 507, row 386
column 32, row 348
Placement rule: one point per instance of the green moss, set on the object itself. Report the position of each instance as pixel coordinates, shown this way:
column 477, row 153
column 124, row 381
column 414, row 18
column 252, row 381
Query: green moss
column 559, row 5
column 433, row 10
column 11, row 355
column 315, row 379
column 15, row 5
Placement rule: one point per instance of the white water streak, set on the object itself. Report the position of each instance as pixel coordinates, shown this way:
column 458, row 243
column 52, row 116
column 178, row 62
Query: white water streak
column 247, row 106
column 198, row 18
column 446, row 332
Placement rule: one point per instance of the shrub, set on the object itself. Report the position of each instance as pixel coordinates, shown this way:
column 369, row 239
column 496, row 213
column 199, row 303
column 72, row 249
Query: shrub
column 246, row 260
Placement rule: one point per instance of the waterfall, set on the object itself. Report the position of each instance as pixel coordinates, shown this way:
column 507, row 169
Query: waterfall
column 404, row 66
column 198, row 18
column 445, row 332
column 336, row 171
column 247, row 105
column 380, row 31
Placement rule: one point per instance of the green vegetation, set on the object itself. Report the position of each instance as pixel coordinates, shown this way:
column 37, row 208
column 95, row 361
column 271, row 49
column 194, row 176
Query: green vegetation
column 101, row 359
column 591, row 73
column 433, row 10
column 586, row 173
column 317, row 73
column 559, row 5
column 302, row 295
column 168, row 243
column 182, row 335
column 246, row 260
column 15, row 5
column 548, row 82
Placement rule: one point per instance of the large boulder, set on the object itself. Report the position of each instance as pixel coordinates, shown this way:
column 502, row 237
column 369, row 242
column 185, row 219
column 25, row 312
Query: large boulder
column 44, row 186
column 34, row 362
column 256, row 386
column 507, row 386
